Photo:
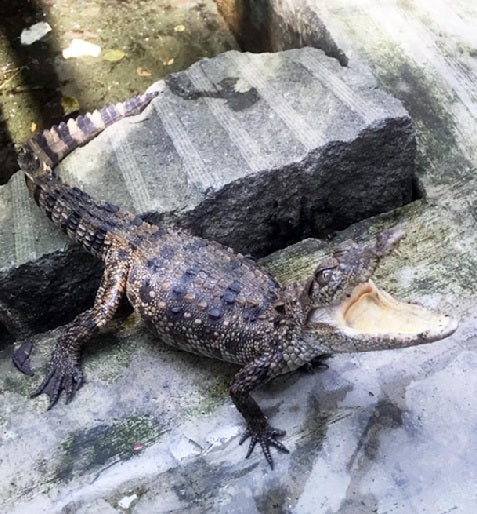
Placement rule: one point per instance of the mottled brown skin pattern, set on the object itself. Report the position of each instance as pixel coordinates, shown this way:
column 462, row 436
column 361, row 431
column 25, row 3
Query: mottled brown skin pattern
column 196, row 295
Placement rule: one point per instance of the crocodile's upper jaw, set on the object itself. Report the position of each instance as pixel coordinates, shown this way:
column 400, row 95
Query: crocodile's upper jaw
column 370, row 319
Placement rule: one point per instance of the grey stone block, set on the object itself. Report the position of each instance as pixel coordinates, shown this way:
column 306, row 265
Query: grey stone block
column 254, row 151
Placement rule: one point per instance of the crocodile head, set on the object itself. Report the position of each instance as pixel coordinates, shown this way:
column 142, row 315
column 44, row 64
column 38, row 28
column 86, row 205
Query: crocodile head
column 349, row 313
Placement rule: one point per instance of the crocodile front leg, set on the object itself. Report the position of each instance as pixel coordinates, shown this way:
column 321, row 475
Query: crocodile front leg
column 64, row 372
column 258, row 428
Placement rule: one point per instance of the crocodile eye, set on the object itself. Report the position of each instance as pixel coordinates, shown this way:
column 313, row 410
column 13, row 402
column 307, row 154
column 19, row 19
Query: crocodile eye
column 323, row 276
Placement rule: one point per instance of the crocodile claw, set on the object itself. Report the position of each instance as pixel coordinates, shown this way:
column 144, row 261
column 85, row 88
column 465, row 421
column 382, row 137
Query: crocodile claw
column 64, row 376
column 316, row 363
column 266, row 437
column 21, row 358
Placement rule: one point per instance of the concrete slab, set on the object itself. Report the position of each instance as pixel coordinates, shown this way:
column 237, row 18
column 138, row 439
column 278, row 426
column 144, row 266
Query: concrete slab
column 369, row 433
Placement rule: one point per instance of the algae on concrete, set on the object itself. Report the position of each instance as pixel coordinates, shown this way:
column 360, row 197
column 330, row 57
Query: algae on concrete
column 87, row 450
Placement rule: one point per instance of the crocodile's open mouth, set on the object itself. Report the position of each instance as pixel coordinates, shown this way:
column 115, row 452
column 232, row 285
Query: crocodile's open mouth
column 372, row 317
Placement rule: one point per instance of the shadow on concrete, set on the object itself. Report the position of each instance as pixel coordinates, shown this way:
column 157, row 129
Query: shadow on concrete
column 40, row 85
column 8, row 155
column 271, row 26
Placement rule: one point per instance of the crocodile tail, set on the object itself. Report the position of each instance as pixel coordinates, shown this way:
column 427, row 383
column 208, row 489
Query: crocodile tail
column 84, row 220
column 46, row 149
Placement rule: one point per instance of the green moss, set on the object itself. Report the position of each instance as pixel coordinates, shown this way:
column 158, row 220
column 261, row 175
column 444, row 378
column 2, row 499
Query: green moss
column 86, row 450
column 213, row 392
column 455, row 269
column 109, row 353
column 439, row 153
column 19, row 384
column 422, row 91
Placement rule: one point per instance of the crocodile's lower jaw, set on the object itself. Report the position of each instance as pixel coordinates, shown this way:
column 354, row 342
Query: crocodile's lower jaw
column 371, row 319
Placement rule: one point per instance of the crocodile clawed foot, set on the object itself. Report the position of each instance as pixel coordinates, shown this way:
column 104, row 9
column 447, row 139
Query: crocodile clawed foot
column 316, row 363
column 21, row 358
column 62, row 376
column 266, row 436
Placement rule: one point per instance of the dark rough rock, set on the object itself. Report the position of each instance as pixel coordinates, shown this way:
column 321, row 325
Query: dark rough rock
column 46, row 292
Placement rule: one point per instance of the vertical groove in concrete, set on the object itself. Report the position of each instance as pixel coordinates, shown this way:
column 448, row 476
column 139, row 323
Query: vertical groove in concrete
column 238, row 134
column 341, row 90
column 132, row 176
column 448, row 19
column 418, row 42
column 23, row 222
column 194, row 165
column 253, row 73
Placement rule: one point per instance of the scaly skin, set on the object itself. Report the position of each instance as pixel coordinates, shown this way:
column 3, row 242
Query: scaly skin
column 196, row 295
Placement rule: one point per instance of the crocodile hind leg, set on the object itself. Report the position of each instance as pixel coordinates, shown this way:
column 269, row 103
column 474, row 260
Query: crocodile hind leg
column 64, row 372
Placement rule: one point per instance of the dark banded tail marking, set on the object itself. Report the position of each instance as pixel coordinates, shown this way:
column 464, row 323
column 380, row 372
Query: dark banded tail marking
column 76, row 212
column 99, row 237
column 52, row 145
column 72, row 221
column 43, row 145
column 64, row 134
column 131, row 103
column 109, row 114
column 86, row 126
column 50, row 198
column 109, row 207
column 80, row 196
